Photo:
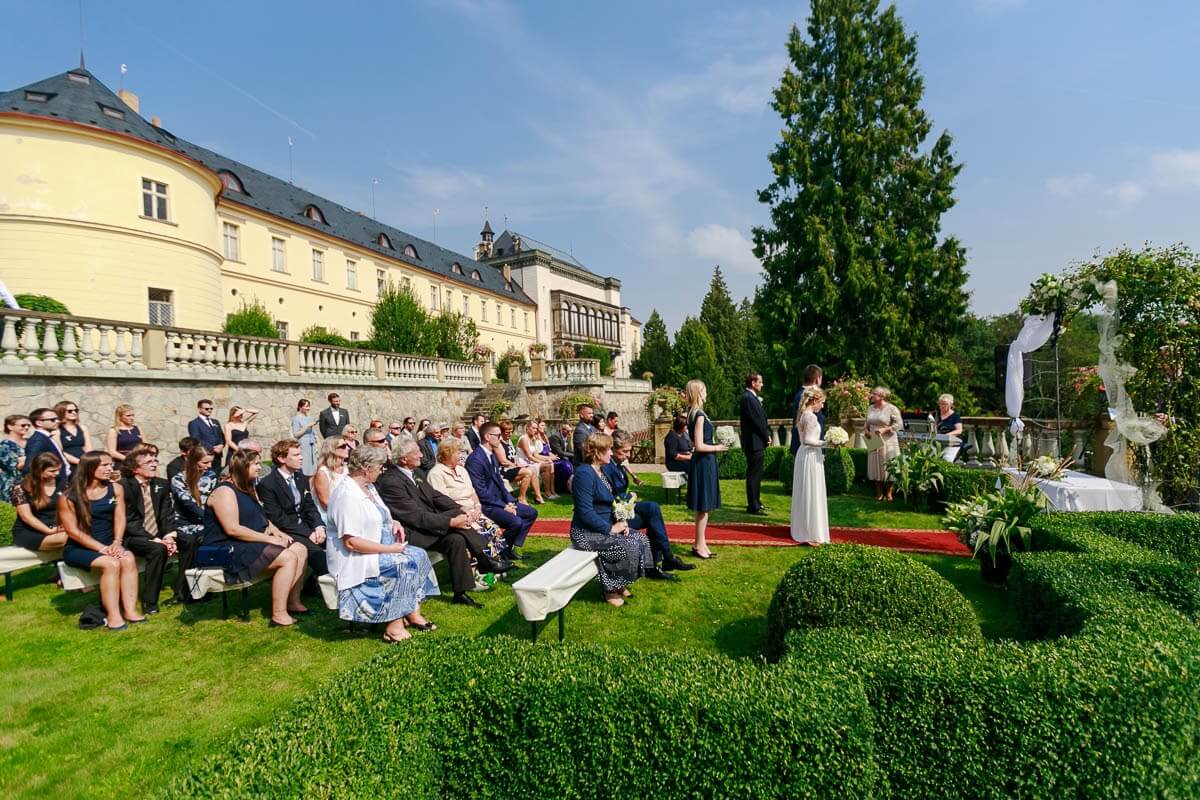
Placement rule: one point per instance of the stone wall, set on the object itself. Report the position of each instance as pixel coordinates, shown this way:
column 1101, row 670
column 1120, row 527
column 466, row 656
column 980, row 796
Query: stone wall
column 630, row 402
column 165, row 402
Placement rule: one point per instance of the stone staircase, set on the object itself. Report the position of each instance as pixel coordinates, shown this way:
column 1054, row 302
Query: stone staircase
column 491, row 394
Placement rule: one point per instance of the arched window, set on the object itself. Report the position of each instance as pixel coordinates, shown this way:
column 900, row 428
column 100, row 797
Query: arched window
column 411, row 251
column 456, row 268
column 314, row 213
column 475, row 275
column 383, row 241
column 231, row 182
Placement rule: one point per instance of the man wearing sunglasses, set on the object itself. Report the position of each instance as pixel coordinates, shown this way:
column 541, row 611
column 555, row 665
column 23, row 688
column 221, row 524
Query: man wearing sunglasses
column 45, row 423
column 207, row 431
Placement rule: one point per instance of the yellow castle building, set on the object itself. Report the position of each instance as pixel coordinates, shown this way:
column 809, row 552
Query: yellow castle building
column 119, row 218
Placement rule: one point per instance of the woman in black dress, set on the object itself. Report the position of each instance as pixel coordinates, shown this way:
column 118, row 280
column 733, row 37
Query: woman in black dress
column 679, row 446
column 92, row 512
column 35, row 498
column 234, row 516
column 947, row 421
column 72, row 436
column 123, row 436
column 237, row 428
column 704, row 486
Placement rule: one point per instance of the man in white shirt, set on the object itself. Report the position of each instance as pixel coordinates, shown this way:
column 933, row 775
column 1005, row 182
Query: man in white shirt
column 333, row 419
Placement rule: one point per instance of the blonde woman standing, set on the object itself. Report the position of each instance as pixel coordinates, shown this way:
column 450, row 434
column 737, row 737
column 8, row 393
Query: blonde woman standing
column 124, row 435
column 810, row 507
column 883, row 420
column 704, row 486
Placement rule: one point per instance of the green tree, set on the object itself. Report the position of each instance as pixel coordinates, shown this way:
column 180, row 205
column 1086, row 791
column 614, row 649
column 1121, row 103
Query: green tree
column 725, row 325
column 696, row 357
column 601, row 354
column 453, row 335
column 40, row 302
column 252, row 319
column 399, row 323
column 319, row 334
column 856, row 275
column 655, row 355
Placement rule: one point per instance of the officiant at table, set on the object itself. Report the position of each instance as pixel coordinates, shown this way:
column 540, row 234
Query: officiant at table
column 883, row 421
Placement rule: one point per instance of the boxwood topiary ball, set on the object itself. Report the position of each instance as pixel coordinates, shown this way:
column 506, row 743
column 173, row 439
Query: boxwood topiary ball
column 867, row 589
column 839, row 471
column 732, row 464
column 787, row 463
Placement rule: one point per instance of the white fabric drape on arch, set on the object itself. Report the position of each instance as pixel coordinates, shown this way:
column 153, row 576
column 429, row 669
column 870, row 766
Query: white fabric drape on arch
column 1034, row 333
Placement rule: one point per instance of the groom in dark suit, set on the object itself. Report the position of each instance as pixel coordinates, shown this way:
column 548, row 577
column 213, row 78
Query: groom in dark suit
column 756, row 435
column 812, row 377
column 333, row 419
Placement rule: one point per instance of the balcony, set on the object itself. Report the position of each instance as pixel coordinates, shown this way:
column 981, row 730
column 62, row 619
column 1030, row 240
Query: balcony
column 578, row 320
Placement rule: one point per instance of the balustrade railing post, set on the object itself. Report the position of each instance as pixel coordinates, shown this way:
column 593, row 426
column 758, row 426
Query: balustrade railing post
column 50, row 339
column 9, row 342
column 86, row 345
column 973, row 447
column 105, row 348
column 135, row 352
column 1002, row 448
column 1078, row 441
column 121, row 355
column 29, row 341
column 69, row 347
column 986, row 451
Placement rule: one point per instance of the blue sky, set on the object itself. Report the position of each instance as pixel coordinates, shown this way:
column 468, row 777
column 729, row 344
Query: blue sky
column 636, row 134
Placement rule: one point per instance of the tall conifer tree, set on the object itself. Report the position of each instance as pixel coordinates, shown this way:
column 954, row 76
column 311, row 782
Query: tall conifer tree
column 696, row 357
column 857, row 277
column 724, row 324
column 655, row 355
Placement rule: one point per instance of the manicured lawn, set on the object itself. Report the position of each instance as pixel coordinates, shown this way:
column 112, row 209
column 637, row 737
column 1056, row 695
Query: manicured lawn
column 855, row 510
column 90, row 713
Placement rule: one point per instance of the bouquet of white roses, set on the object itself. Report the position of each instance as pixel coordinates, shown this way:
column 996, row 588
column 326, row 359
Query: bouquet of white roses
column 836, row 436
column 727, row 436
column 1047, row 467
column 623, row 509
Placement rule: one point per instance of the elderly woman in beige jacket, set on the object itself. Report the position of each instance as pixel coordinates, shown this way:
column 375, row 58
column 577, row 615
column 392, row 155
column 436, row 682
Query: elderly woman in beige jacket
column 450, row 477
column 883, row 420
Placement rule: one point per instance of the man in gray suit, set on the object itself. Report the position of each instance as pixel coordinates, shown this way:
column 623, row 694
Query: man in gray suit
column 333, row 419
column 584, row 429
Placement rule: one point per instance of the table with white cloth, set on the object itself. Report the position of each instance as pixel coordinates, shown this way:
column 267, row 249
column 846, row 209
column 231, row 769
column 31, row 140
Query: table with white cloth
column 1078, row 491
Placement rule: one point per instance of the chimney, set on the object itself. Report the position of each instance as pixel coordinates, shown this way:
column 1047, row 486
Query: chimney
column 130, row 99
column 507, row 271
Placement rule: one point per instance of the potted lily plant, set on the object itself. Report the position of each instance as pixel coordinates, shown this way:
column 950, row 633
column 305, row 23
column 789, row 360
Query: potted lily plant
column 996, row 524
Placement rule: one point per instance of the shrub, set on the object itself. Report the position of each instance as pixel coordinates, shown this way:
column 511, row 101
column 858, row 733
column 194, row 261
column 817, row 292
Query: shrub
column 319, row 334
column 866, row 588
column 732, row 464
column 771, row 458
column 601, row 354
column 787, row 464
column 858, row 455
column 252, row 319
column 664, row 401
column 41, row 302
column 1175, row 535
column 8, row 515
column 590, row 722
column 452, row 336
column 839, row 471
column 568, row 407
column 399, row 323
column 510, row 356
column 962, row 483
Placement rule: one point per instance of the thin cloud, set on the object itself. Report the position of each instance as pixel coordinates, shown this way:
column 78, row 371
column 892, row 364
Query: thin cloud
column 726, row 246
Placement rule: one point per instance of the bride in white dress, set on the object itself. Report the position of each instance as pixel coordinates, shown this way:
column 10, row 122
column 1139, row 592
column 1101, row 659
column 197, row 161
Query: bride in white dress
column 810, row 508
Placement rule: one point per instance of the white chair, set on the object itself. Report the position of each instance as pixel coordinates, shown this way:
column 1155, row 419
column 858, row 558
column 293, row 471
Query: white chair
column 676, row 481
column 14, row 559
column 552, row 586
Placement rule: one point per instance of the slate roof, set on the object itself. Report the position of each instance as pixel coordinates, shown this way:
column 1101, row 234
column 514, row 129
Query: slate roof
column 78, row 96
column 504, row 242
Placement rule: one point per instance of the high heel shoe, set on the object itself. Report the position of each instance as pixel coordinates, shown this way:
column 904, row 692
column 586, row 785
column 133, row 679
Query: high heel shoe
column 702, row 557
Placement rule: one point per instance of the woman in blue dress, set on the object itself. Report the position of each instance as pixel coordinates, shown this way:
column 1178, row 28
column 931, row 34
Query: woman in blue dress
column 704, row 487
column 235, row 517
column 380, row 578
column 303, row 431
column 624, row 552
column 92, row 512
column 124, row 435
column 237, row 428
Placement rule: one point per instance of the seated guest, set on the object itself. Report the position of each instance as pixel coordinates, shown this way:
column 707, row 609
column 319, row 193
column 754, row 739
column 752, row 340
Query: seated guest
column 458, row 432
column 289, row 504
column 947, row 421
column 380, row 577
column 350, row 437
column 72, row 436
column 647, row 513
column 92, row 512
column 435, row 522
column 514, row 471
column 234, row 516
column 331, row 469
column 498, row 503
column 450, row 477
column 624, row 552
column 45, row 425
column 149, row 520
column 583, row 429
column 190, row 490
column 35, row 498
column 679, row 446
column 558, row 444
column 12, row 451
column 529, row 451
column 124, row 435
column 175, row 466
column 429, row 445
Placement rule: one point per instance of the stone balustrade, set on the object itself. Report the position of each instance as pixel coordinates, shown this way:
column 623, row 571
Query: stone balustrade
column 573, row 370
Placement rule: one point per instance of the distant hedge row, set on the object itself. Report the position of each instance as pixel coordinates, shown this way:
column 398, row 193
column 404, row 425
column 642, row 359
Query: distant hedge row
column 8, row 516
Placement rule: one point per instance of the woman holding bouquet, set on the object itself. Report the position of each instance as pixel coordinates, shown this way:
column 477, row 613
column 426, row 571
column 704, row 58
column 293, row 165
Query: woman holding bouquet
column 595, row 527
column 810, row 508
column 704, row 487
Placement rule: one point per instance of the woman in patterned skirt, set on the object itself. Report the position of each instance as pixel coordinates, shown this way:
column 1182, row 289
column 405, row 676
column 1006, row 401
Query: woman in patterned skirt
column 379, row 577
column 624, row 552
column 883, row 420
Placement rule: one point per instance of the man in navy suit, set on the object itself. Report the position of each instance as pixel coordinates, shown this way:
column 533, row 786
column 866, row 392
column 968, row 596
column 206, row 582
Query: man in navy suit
column 498, row 503
column 288, row 502
column 45, row 423
column 756, row 435
column 207, row 431
column 812, row 377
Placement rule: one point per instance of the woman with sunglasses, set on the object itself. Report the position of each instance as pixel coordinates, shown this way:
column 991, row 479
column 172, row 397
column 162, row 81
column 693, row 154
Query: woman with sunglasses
column 73, row 438
column 331, row 469
column 17, row 428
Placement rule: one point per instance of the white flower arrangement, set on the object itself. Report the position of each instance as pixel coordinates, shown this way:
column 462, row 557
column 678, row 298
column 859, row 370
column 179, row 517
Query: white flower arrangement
column 836, row 436
column 623, row 509
column 726, row 435
column 1047, row 467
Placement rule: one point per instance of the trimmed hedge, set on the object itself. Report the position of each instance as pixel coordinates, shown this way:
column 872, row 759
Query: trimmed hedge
column 732, row 464
column 8, row 515
column 839, row 471
column 859, row 456
column 962, row 483
column 1174, row 535
column 867, row 588
column 561, row 721
column 787, row 465
column 771, row 458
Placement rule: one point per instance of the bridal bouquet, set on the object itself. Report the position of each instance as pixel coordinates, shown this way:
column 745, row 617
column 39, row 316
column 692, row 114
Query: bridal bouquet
column 623, row 509
column 726, row 435
column 836, row 436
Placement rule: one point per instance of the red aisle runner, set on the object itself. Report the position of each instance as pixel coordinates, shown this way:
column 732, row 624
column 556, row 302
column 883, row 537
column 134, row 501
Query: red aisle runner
column 915, row 541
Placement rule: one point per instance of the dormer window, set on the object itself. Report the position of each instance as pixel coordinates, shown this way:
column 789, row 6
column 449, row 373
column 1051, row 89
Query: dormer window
column 231, row 182
column 411, row 252
column 78, row 77
column 38, row 97
column 314, row 213
column 115, row 113
column 384, row 242
column 456, row 268
column 475, row 276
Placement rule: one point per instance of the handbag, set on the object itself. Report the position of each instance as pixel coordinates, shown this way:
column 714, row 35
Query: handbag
column 212, row 556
